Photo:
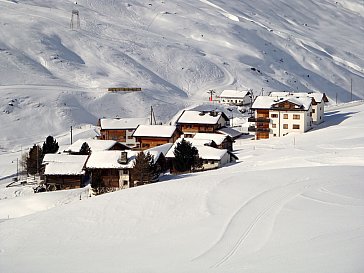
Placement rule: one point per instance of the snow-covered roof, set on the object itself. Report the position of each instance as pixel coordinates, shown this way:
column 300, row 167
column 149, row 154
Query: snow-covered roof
column 231, row 132
column 318, row 97
column 205, row 152
column 154, row 131
column 110, row 160
column 217, row 138
column 234, row 94
column 64, row 164
column 164, row 148
column 94, row 144
column 266, row 102
column 200, row 117
column 64, row 158
column 122, row 123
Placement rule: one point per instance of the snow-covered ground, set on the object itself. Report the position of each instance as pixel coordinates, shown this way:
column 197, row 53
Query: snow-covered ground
column 174, row 50
column 291, row 204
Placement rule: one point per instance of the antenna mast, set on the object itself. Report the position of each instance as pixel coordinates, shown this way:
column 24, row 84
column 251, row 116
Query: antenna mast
column 75, row 13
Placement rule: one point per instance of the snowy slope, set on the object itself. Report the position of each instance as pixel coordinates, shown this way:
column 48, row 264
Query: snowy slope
column 174, row 50
column 291, row 204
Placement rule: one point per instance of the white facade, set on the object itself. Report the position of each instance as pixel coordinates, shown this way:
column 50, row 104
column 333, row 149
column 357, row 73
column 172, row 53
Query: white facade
column 284, row 122
column 235, row 97
column 318, row 112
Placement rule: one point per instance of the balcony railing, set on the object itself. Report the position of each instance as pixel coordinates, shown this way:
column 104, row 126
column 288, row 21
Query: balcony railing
column 253, row 119
column 258, row 129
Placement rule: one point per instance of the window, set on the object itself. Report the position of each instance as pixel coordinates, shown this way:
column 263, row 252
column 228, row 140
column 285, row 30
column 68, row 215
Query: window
column 313, row 110
column 274, row 125
column 274, row 134
column 145, row 145
column 130, row 137
column 296, row 126
column 285, row 116
column 125, row 172
column 285, row 126
column 125, row 182
column 274, row 115
column 296, row 116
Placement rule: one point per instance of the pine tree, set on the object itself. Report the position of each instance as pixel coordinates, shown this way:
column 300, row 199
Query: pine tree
column 186, row 157
column 143, row 168
column 34, row 159
column 85, row 149
column 50, row 146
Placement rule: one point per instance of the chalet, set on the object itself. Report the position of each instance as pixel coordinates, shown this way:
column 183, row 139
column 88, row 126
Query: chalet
column 120, row 129
column 221, row 141
column 276, row 117
column 149, row 136
column 235, row 97
column 212, row 158
column 191, row 122
column 64, row 171
column 318, row 102
column 95, row 145
column 114, row 167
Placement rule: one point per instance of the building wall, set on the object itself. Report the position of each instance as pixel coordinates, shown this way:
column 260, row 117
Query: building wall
column 296, row 121
column 318, row 113
column 238, row 101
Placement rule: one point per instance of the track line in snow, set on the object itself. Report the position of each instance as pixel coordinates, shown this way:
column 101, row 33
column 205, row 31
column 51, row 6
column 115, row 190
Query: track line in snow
column 232, row 238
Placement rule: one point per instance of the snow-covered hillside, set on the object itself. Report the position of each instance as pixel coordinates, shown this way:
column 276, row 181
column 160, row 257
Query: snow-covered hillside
column 174, row 50
column 291, row 204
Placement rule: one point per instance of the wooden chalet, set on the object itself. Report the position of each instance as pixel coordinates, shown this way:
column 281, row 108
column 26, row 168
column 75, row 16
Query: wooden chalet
column 64, row 171
column 149, row 136
column 191, row 122
column 219, row 141
column 120, row 129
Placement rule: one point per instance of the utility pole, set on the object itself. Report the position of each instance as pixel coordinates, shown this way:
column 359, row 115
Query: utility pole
column 351, row 89
column 262, row 91
column 336, row 98
column 71, row 136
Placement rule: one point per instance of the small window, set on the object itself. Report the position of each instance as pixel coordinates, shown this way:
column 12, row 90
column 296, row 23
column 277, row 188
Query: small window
column 274, row 134
column 125, row 182
column 296, row 116
column 145, row 145
column 274, row 115
column 296, row 126
column 313, row 110
column 274, row 125
column 285, row 116
column 125, row 171
column 130, row 137
column 285, row 126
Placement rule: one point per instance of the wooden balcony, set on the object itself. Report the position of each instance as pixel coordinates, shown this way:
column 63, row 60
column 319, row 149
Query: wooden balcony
column 263, row 120
column 258, row 129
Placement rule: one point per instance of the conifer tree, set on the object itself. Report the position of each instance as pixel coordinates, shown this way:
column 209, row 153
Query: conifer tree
column 34, row 159
column 186, row 157
column 50, row 146
column 143, row 168
column 85, row 149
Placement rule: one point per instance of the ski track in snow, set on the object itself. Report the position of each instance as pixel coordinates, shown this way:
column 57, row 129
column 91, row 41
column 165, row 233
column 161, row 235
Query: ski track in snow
column 241, row 224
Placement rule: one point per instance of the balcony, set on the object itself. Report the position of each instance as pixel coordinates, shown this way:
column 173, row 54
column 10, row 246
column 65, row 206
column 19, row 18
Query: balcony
column 263, row 120
column 258, row 129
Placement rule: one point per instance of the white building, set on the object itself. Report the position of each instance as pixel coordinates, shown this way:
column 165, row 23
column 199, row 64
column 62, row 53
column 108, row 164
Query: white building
column 275, row 117
column 235, row 97
column 318, row 102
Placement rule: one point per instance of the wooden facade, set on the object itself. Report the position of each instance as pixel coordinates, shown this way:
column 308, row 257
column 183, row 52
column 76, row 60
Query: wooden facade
column 190, row 129
column 147, row 142
column 63, row 182
column 119, row 135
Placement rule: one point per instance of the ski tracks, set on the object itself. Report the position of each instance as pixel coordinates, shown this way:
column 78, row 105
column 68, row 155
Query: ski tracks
column 249, row 218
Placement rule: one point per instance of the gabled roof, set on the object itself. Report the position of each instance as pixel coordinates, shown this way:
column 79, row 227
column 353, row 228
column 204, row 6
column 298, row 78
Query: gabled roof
column 205, row 152
column 163, row 131
column 234, row 94
column 64, row 164
column 268, row 102
column 228, row 131
column 217, row 138
column 94, row 144
column 200, row 117
column 110, row 160
column 318, row 97
column 122, row 123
